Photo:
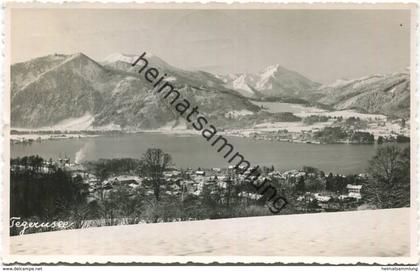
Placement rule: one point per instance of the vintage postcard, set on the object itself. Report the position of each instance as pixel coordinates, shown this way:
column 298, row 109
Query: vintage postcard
column 209, row 133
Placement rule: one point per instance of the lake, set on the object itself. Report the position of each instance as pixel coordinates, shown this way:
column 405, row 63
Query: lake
column 194, row 151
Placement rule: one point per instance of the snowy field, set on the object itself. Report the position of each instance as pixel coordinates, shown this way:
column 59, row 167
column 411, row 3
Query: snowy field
column 306, row 111
column 293, row 127
column 345, row 114
column 278, row 107
column 383, row 233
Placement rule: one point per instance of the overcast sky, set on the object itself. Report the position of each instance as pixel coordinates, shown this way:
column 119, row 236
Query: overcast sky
column 323, row 45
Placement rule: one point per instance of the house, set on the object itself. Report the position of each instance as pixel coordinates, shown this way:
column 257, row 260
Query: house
column 167, row 175
column 248, row 195
column 322, row 198
column 363, row 175
column 354, row 191
column 300, row 198
column 200, row 173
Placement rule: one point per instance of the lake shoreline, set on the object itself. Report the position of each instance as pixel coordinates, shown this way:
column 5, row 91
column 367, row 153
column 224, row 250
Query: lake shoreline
column 32, row 137
column 193, row 151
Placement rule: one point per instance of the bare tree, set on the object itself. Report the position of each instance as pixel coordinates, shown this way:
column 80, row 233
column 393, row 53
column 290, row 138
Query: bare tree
column 152, row 165
column 79, row 213
column 389, row 186
column 102, row 173
column 384, row 166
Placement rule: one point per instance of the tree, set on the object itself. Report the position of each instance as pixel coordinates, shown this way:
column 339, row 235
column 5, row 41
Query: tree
column 228, row 193
column 123, row 204
column 313, row 205
column 152, row 165
column 380, row 139
column 402, row 139
column 314, row 184
column 384, row 166
column 35, row 162
column 389, row 186
column 329, row 182
column 102, row 173
column 300, row 186
column 265, row 170
column 79, row 212
column 46, row 195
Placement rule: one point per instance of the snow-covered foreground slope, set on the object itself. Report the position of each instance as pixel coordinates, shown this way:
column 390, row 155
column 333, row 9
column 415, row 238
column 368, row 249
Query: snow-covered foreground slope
column 364, row 233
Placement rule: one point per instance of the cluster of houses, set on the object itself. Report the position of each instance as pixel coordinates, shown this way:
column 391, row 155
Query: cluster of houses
column 193, row 182
column 304, row 136
column 375, row 126
column 324, row 197
column 216, row 180
column 389, row 128
column 177, row 182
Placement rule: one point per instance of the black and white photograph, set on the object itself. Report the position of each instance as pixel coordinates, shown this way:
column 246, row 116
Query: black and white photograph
column 211, row 130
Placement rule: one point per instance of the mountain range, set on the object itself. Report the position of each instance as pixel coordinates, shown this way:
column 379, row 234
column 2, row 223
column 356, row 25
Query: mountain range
column 385, row 94
column 274, row 81
column 49, row 90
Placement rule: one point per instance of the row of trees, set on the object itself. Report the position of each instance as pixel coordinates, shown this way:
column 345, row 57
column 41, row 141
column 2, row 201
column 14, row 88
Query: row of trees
column 362, row 138
column 331, row 135
column 315, row 118
column 318, row 182
column 392, row 139
column 45, row 194
column 338, row 134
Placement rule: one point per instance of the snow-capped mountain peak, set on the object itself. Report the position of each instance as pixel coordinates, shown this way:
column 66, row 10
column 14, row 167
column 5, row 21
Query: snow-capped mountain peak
column 241, row 83
column 274, row 80
column 120, row 57
column 270, row 71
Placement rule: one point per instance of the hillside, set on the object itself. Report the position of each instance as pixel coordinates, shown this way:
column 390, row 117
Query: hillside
column 383, row 94
column 387, row 94
column 380, row 233
column 52, row 89
column 66, row 90
column 25, row 72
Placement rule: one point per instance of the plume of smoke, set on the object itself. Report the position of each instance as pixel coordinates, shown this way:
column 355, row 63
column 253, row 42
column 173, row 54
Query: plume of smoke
column 81, row 154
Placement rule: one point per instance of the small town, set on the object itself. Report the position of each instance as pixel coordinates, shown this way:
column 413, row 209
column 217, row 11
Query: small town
column 321, row 129
column 182, row 183
column 226, row 190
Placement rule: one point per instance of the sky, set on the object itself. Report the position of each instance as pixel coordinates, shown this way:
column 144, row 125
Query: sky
column 323, row 45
